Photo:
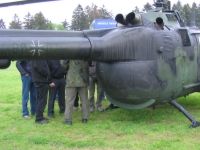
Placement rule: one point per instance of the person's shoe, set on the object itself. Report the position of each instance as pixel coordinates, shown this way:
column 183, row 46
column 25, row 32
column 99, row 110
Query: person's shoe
column 84, row 120
column 61, row 111
column 50, row 115
column 111, row 107
column 26, row 117
column 68, row 122
column 43, row 121
column 100, row 109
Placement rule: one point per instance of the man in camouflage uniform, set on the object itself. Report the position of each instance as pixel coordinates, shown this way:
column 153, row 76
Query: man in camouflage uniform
column 77, row 82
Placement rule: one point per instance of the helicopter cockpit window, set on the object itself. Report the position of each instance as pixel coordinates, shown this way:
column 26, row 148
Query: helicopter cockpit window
column 185, row 37
column 171, row 17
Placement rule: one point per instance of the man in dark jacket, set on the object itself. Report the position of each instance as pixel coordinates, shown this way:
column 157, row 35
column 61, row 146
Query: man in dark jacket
column 57, row 76
column 24, row 68
column 42, row 79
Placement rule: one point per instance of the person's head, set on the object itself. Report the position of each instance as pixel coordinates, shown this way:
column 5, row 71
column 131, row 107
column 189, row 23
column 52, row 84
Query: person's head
column 119, row 18
column 130, row 17
column 160, row 22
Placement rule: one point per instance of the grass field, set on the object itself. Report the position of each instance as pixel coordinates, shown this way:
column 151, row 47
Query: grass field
column 161, row 129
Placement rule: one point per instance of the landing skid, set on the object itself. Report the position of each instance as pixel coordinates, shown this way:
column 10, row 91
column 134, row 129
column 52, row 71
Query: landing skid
column 111, row 107
column 186, row 113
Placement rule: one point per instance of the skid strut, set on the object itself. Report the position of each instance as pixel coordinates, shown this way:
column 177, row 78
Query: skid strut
column 186, row 113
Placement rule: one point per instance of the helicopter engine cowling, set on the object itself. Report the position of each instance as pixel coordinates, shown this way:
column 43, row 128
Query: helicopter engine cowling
column 128, row 65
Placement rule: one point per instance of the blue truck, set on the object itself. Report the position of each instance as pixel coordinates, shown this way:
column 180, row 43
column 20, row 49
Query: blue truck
column 103, row 23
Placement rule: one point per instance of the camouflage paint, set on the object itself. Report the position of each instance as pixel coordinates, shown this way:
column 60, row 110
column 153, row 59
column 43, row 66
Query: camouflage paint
column 137, row 66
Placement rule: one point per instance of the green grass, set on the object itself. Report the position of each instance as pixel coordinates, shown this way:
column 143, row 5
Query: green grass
column 161, row 129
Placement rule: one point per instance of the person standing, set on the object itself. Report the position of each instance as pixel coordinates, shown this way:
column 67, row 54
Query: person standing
column 92, row 81
column 28, row 89
column 42, row 80
column 58, row 81
column 77, row 82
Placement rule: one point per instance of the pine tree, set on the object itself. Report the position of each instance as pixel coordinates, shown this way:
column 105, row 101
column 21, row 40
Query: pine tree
column 39, row 22
column 147, row 7
column 16, row 23
column 2, row 24
column 187, row 14
column 28, row 21
column 198, row 16
column 193, row 15
column 79, row 19
column 178, row 7
column 136, row 10
column 104, row 13
column 66, row 25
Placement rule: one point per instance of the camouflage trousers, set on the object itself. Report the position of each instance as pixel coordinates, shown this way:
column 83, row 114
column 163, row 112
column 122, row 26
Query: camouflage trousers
column 70, row 96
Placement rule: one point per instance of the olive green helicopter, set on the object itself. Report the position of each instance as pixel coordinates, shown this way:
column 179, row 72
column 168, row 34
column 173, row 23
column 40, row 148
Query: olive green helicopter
column 137, row 65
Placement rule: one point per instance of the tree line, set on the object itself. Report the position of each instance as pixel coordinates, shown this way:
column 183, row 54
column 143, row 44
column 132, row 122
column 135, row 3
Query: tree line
column 83, row 17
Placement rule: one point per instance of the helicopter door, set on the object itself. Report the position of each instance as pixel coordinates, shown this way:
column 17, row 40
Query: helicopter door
column 188, row 58
column 198, row 55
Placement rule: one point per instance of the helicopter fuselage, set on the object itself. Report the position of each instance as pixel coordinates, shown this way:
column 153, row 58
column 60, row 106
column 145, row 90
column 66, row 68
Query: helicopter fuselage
column 137, row 66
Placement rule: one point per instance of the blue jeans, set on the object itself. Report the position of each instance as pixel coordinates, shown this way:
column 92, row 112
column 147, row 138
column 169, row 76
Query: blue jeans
column 28, row 88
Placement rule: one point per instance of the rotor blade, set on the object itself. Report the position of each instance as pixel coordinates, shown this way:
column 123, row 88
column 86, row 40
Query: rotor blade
column 23, row 2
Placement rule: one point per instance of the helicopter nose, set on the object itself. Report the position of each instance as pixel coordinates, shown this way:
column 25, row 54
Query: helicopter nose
column 4, row 63
column 130, row 85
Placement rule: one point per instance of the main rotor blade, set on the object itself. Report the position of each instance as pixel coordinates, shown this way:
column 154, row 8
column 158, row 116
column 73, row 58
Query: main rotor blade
column 23, row 2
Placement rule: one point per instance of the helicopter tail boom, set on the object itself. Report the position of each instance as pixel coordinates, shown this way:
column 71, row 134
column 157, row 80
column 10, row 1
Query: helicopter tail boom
column 43, row 45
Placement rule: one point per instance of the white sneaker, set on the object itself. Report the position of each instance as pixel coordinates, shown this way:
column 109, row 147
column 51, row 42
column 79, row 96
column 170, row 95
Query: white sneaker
column 26, row 117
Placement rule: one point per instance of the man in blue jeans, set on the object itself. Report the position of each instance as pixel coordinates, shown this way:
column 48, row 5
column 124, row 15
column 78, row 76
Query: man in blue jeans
column 28, row 89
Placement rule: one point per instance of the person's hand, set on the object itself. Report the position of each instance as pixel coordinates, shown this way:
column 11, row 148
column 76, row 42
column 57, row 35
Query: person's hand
column 52, row 84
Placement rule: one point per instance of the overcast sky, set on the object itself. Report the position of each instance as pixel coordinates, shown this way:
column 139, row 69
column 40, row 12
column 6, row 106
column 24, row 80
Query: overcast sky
column 58, row 11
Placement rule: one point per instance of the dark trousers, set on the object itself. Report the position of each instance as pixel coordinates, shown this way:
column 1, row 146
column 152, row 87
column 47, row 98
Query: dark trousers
column 41, row 99
column 76, row 104
column 60, row 90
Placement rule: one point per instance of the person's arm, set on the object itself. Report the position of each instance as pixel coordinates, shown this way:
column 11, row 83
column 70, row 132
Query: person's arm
column 20, row 68
column 65, row 64
column 42, row 68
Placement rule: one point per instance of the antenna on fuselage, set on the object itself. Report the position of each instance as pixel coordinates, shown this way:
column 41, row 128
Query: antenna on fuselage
column 162, row 4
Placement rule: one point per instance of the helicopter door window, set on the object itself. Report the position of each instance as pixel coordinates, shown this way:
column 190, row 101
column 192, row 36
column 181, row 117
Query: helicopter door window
column 171, row 17
column 185, row 37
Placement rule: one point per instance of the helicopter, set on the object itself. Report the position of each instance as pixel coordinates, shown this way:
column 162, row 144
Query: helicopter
column 138, row 66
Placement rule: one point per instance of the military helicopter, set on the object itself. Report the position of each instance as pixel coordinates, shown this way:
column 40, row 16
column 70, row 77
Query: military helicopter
column 138, row 65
